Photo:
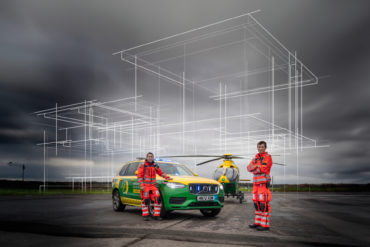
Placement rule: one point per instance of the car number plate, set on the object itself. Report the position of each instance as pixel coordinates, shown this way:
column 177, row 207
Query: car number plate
column 205, row 198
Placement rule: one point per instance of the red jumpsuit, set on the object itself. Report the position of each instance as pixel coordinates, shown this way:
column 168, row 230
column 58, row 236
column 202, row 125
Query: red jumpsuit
column 260, row 166
column 146, row 176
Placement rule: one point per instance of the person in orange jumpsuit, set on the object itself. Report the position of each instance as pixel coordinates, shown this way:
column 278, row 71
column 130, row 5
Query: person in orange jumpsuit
column 260, row 166
column 146, row 176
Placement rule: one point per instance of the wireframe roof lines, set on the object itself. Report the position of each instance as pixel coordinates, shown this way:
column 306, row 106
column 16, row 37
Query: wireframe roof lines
column 259, row 32
column 200, row 37
column 259, row 90
column 286, row 49
column 160, row 71
column 50, row 113
column 61, row 108
column 178, row 79
column 186, row 32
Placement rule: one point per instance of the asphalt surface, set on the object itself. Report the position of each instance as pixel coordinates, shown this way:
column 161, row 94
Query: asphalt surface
column 316, row 219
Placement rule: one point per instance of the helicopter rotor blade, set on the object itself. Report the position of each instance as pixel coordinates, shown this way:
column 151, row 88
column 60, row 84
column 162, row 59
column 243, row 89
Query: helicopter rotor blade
column 195, row 156
column 279, row 164
column 255, row 154
column 204, row 156
column 237, row 157
column 204, row 162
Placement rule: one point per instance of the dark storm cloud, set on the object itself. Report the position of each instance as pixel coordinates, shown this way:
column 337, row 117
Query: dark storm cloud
column 43, row 63
column 60, row 51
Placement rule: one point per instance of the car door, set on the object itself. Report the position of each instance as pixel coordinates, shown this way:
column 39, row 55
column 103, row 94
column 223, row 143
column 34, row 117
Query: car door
column 130, row 180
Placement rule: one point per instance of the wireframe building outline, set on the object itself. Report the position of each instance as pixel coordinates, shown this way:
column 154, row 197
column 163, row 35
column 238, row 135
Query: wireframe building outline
column 215, row 89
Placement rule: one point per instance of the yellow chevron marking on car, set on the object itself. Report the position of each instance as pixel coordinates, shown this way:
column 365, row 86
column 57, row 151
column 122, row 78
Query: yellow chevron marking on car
column 126, row 187
column 132, row 202
column 123, row 187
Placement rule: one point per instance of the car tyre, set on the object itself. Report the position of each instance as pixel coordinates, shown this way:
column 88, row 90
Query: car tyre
column 164, row 211
column 117, row 203
column 212, row 212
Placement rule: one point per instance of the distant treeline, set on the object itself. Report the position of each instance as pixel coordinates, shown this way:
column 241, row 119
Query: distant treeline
column 18, row 184
column 323, row 187
column 34, row 185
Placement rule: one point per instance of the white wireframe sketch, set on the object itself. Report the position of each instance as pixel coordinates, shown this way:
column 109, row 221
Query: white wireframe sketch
column 215, row 89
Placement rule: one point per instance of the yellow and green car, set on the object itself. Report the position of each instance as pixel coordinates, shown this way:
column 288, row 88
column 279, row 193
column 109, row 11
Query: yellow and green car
column 187, row 191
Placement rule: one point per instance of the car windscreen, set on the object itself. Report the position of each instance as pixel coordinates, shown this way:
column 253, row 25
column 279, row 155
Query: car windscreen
column 175, row 169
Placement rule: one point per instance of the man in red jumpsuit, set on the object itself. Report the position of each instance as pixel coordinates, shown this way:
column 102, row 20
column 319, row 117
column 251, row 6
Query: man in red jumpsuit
column 260, row 166
column 146, row 176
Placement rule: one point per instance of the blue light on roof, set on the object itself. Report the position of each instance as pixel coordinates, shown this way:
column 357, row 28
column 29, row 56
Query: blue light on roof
column 163, row 159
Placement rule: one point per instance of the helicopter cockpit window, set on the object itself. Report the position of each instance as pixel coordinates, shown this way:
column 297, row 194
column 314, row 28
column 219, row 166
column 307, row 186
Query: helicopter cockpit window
column 230, row 173
column 218, row 173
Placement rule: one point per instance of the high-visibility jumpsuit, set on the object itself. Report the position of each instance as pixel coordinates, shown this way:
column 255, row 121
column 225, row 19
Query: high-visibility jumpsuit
column 260, row 166
column 146, row 176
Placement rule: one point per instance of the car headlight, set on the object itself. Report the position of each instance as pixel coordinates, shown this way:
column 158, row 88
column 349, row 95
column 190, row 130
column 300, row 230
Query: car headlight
column 175, row 185
column 221, row 187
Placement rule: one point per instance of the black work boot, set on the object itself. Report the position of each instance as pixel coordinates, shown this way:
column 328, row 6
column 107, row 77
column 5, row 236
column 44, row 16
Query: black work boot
column 261, row 228
column 146, row 218
column 253, row 225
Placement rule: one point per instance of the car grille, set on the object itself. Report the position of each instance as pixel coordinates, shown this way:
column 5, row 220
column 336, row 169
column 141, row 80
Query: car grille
column 203, row 204
column 177, row 200
column 203, row 188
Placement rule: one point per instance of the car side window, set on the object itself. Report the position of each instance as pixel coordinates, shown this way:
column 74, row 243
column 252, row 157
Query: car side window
column 122, row 172
column 130, row 171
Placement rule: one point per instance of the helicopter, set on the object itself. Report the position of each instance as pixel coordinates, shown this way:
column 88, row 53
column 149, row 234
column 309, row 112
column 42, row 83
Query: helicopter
column 227, row 173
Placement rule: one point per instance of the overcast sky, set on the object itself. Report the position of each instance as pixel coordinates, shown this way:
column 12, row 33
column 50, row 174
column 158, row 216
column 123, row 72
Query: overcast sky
column 60, row 51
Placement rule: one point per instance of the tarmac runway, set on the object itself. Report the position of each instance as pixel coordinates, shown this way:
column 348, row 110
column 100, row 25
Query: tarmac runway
column 297, row 219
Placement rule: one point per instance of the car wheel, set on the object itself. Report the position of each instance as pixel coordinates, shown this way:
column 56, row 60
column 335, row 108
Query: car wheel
column 210, row 212
column 117, row 204
column 164, row 212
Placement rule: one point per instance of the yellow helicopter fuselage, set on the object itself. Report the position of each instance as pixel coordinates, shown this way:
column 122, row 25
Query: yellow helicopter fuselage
column 226, row 164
